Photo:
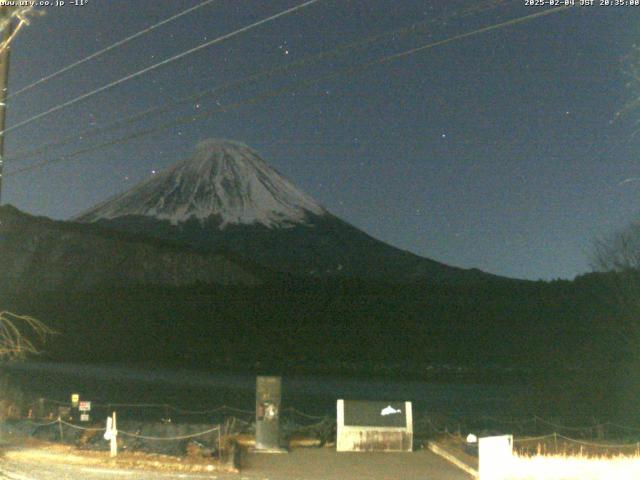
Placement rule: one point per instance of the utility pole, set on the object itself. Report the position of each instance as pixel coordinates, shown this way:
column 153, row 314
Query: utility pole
column 5, row 14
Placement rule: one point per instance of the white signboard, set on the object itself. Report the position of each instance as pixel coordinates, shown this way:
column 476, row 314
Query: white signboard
column 84, row 417
column 495, row 456
column 367, row 426
column 84, row 406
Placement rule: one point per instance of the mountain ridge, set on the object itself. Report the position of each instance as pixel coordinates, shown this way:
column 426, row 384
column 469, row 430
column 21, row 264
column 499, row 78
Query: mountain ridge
column 226, row 196
column 37, row 253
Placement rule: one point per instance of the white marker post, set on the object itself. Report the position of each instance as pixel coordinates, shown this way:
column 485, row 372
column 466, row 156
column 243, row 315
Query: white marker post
column 114, row 437
column 111, row 434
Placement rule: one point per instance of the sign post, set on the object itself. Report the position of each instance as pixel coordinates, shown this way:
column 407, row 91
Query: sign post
column 114, row 437
column 75, row 401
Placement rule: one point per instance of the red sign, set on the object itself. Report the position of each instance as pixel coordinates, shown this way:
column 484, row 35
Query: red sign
column 84, row 406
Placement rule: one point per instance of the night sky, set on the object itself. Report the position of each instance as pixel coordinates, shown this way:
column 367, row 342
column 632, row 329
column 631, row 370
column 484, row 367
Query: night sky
column 500, row 151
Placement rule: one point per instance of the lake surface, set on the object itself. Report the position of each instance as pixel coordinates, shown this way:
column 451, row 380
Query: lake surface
column 313, row 395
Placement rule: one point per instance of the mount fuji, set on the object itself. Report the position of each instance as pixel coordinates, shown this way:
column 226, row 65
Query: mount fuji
column 224, row 179
column 226, row 196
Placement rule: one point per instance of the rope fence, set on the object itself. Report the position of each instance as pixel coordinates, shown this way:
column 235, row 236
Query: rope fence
column 180, row 437
column 78, row 427
column 133, row 439
column 555, row 444
column 554, row 436
column 225, row 410
column 35, row 424
column 218, row 428
column 130, row 434
column 305, row 415
column 166, row 406
column 222, row 408
column 532, row 439
column 598, row 445
column 435, row 424
column 528, row 424
column 522, row 422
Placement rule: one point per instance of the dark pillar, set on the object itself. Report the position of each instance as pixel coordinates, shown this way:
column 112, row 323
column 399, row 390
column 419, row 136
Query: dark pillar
column 268, row 398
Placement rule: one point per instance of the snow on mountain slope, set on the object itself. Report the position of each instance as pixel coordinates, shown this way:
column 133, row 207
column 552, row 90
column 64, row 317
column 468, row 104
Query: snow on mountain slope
column 224, row 178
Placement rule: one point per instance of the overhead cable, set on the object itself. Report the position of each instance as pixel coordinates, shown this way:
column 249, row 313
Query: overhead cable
column 157, row 110
column 274, row 93
column 109, row 48
column 155, row 66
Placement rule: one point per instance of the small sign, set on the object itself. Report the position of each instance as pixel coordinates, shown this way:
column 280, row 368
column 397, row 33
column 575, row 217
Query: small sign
column 84, row 406
column 84, row 417
column 75, row 398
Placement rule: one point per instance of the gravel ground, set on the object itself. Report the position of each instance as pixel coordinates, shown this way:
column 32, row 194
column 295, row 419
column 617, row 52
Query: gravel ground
column 39, row 471
column 303, row 464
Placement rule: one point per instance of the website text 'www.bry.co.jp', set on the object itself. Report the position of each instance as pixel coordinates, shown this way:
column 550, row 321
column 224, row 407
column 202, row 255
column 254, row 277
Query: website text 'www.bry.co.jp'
column 42, row 3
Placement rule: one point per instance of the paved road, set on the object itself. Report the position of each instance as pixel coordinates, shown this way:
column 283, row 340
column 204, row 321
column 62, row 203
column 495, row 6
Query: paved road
column 326, row 464
column 311, row 464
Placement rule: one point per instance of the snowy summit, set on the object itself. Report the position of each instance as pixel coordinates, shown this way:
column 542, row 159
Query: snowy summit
column 224, row 179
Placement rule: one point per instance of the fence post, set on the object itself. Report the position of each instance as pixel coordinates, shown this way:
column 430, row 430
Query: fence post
column 219, row 441
column 114, row 433
column 555, row 442
column 60, row 429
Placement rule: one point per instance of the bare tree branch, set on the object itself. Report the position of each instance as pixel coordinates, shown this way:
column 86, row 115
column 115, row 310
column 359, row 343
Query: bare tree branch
column 15, row 343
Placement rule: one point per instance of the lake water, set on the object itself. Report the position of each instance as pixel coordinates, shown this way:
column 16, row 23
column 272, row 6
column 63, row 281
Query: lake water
column 313, row 395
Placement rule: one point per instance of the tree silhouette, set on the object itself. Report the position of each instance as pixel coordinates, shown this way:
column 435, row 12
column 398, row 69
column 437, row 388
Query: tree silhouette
column 618, row 259
column 618, row 256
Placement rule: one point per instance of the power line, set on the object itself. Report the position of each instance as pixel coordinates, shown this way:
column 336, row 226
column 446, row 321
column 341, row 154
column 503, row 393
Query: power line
column 116, row 124
column 274, row 93
column 109, row 48
column 475, row 32
column 155, row 66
